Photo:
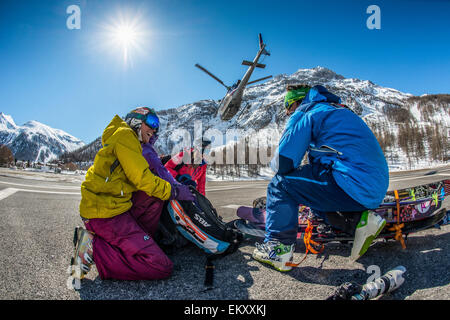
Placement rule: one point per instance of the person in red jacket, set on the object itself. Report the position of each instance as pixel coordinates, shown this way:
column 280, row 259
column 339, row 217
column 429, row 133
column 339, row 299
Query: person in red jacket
column 190, row 174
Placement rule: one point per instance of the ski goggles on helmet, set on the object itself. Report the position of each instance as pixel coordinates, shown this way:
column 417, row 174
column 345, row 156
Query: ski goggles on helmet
column 152, row 121
column 146, row 115
column 295, row 95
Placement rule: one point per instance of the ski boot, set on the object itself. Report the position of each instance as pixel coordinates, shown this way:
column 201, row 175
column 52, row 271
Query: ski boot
column 275, row 253
column 368, row 228
column 82, row 258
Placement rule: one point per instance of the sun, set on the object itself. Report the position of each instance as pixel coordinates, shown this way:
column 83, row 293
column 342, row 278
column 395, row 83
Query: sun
column 125, row 35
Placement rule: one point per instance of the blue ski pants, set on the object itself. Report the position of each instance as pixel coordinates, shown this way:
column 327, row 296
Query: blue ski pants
column 309, row 185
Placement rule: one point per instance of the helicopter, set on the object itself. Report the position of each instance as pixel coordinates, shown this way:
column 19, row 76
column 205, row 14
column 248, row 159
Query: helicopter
column 231, row 103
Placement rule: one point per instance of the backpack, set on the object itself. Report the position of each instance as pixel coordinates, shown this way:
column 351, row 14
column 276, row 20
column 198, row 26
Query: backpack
column 197, row 222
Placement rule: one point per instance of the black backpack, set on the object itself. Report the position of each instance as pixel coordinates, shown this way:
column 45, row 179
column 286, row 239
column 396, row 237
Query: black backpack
column 185, row 222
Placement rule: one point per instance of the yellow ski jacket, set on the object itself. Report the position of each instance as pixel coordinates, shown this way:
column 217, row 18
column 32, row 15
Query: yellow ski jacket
column 119, row 169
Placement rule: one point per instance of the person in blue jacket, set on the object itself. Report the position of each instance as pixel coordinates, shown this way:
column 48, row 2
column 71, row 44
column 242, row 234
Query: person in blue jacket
column 347, row 172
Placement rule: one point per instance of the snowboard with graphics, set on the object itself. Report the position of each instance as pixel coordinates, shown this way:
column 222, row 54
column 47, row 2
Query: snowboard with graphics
column 420, row 208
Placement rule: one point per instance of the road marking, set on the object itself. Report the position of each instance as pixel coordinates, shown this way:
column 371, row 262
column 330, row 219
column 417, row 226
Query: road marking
column 421, row 177
column 7, row 192
column 233, row 188
column 232, row 206
column 431, row 250
column 50, row 192
column 40, row 186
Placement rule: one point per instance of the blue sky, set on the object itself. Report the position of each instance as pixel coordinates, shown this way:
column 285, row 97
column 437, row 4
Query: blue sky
column 71, row 79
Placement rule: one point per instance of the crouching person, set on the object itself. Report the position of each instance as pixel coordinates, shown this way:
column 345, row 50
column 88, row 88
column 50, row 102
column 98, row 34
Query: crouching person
column 190, row 174
column 116, row 237
column 347, row 172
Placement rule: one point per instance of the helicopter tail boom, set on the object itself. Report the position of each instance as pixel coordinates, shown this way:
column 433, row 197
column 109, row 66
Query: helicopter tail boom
column 262, row 46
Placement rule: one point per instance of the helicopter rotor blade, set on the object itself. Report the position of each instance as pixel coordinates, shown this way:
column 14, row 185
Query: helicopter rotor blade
column 261, row 79
column 213, row 76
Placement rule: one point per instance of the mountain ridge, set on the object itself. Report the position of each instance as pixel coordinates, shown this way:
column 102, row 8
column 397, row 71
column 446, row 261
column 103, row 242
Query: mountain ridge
column 35, row 141
column 412, row 130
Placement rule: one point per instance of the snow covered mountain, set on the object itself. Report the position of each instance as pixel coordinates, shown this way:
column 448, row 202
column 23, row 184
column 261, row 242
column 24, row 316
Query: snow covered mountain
column 35, row 141
column 413, row 131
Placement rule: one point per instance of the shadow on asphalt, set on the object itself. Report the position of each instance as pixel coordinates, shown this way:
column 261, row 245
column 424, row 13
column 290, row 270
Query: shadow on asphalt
column 231, row 281
column 426, row 259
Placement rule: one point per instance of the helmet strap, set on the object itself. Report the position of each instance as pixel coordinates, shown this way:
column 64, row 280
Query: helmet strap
column 139, row 133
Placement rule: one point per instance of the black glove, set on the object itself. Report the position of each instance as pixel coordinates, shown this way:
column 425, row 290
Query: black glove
column 186, row 180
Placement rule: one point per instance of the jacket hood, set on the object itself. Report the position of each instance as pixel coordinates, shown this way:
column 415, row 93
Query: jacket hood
column 115, row 124
column 316, row 94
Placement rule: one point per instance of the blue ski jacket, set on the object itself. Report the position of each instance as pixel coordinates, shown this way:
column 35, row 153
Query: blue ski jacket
column 338, row 140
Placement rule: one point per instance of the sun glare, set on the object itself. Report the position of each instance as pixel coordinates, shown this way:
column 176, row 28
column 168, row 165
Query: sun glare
column 126, row 36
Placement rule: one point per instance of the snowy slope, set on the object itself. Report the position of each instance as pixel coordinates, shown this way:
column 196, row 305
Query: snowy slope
column 380, row 107
column 35, row 141
column 262, row 103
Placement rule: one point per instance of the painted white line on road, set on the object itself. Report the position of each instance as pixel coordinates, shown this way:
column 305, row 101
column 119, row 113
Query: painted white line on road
column 232, row 206
column 233, row 188
column 40, row 186
column 224, row 185
column 49, row 192
column 7, row 192
column 431, row 250
column 421, row 177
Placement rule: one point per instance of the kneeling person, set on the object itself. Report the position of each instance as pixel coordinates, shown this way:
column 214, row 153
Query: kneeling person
column 119, row 234
column 347, row 172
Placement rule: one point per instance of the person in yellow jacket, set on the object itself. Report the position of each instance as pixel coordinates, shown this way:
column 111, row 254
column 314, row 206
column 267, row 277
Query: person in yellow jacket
column 114, row 239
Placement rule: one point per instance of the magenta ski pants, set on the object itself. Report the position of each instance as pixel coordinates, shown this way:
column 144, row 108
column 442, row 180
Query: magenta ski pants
column 123, row 246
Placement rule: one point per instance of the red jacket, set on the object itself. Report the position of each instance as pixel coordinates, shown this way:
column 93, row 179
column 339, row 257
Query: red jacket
column 198, row 174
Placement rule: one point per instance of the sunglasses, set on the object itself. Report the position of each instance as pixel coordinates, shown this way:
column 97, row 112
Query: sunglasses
column 288, row 104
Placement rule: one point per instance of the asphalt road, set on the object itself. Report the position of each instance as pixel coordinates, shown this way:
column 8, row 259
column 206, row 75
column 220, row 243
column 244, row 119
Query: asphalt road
column 39, row 212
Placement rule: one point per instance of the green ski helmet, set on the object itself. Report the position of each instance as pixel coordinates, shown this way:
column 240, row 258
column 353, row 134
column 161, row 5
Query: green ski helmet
column 295, row 93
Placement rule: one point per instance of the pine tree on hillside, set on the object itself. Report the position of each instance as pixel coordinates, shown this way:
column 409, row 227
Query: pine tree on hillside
column 6, row 156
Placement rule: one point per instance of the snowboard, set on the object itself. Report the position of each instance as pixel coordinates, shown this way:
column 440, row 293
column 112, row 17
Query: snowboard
column 421, row 207
column 415, row 203
column 326, row 233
